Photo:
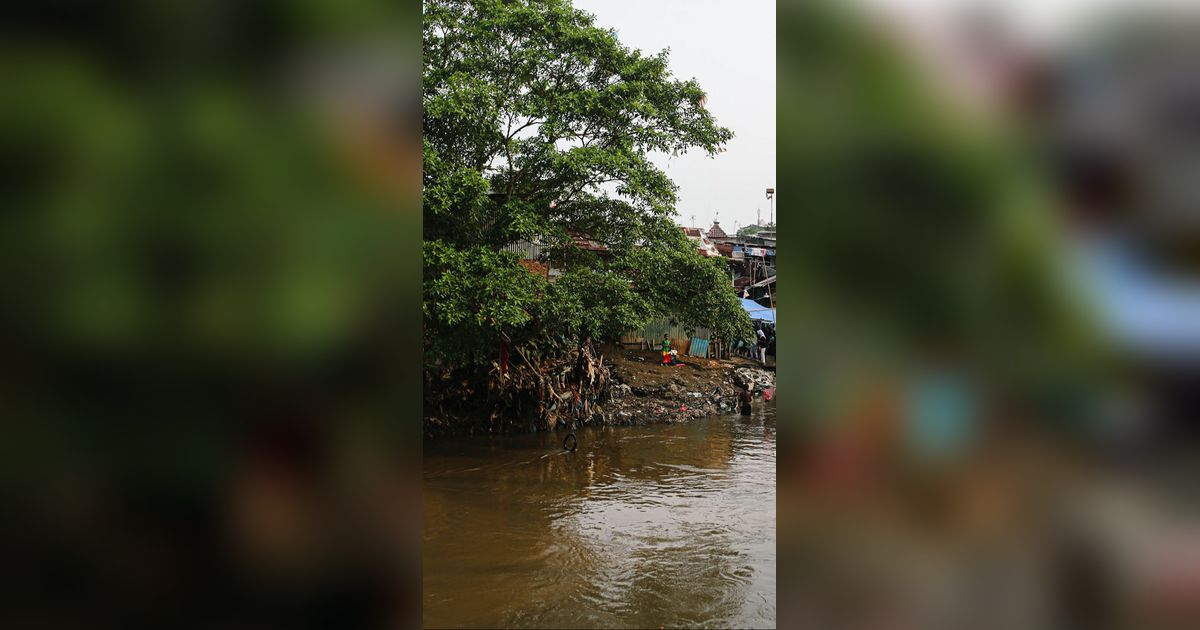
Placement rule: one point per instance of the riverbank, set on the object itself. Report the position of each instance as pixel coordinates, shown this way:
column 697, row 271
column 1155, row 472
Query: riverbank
column 646, row 391
column 623, row 387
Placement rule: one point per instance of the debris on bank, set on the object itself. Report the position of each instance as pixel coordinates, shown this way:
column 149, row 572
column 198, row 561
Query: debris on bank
column 604, row 385
column 646, row 392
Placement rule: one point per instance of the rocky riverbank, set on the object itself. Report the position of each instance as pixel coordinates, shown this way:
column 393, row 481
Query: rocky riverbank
column 645, row 391
column 608, row 385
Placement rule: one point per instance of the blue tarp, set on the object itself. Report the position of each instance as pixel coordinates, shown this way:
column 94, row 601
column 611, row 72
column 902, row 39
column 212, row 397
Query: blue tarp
column 758, row 311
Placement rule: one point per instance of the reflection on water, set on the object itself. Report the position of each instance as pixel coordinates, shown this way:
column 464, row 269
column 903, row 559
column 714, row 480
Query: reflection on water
column 641, row 527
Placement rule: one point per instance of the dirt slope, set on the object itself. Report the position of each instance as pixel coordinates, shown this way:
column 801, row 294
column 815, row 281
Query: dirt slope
column 647, row 391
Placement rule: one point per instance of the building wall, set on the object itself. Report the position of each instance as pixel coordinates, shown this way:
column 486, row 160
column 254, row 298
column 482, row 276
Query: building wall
column 536, row 268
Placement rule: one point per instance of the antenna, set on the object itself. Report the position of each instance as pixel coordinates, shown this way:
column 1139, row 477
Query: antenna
column 758, row 217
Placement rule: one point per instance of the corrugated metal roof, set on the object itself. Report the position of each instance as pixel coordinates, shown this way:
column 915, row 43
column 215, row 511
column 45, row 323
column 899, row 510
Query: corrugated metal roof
column 583, row 242
column 763, row 283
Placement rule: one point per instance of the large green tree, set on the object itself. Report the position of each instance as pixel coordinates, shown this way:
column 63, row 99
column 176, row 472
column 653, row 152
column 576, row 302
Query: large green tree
column 540, row 125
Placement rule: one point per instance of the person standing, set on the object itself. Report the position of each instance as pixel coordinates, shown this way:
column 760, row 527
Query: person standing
column 762, row 346
column 666, row 349
column 745, row 399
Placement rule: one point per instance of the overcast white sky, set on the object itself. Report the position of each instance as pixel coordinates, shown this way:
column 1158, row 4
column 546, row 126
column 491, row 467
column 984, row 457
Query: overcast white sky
column 729, row 47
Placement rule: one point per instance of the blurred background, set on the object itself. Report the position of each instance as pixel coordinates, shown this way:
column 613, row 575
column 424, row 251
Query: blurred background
column 210, row 245
column 995, row 340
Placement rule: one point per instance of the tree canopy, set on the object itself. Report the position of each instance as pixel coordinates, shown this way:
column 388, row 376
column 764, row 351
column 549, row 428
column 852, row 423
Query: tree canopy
column 751, row 230
column 539, row 125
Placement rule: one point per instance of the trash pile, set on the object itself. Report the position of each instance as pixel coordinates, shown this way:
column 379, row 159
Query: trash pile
column 534, row 393
column 521, row 393
column 757, row 379
column 645, row 394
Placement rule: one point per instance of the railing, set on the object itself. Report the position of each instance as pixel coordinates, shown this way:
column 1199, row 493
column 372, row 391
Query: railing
column 527, row 250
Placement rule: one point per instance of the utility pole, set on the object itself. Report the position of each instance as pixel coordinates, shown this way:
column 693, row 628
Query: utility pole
column 758, row 216
column 693, row 221
column 771, row 197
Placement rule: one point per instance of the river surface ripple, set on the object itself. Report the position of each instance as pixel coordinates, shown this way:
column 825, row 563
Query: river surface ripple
column 641, row 527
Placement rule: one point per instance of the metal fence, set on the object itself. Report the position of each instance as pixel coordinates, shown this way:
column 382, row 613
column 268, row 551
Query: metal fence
column 651, row 335
column 694, row 342
column 527, row 250
column 699, row 346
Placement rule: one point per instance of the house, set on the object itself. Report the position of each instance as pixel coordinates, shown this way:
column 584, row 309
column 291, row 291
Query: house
column 704, row 246
column 586, row 243
column 716, row 234
column 751, row 260
column 536, row 255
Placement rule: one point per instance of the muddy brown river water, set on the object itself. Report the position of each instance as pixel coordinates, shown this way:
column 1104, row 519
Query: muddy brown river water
column 641, row 527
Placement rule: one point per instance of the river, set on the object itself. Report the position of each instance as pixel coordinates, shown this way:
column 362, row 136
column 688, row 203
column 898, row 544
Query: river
column 640, row 527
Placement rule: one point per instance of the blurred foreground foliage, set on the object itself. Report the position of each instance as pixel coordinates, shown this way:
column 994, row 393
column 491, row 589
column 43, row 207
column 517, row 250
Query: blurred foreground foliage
column 202, row 272
column 917, row 232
